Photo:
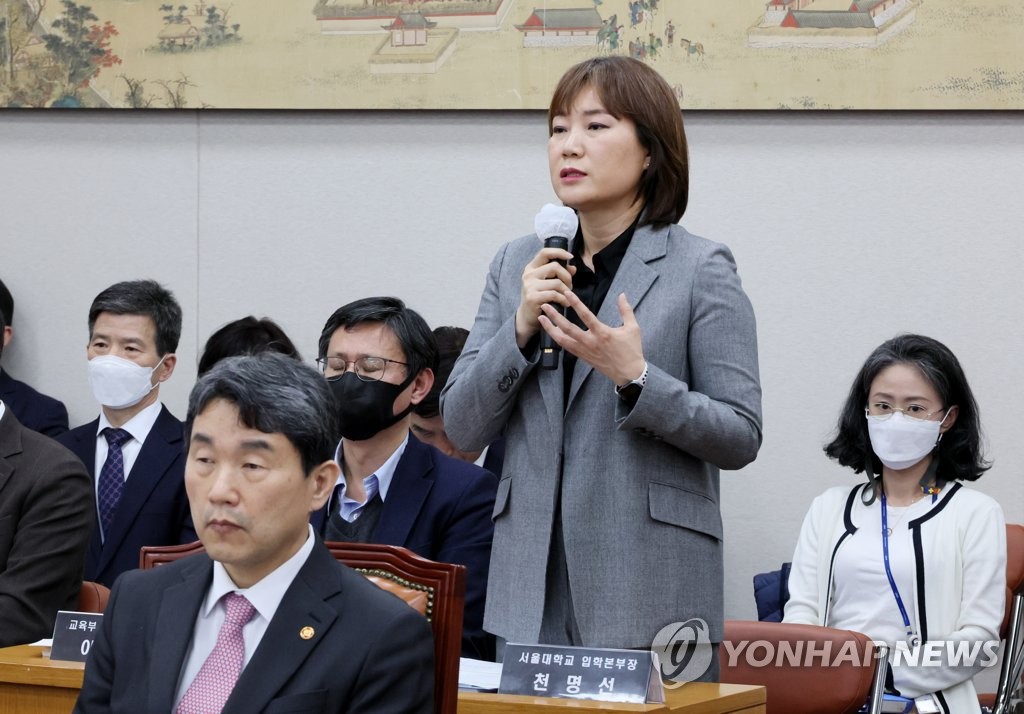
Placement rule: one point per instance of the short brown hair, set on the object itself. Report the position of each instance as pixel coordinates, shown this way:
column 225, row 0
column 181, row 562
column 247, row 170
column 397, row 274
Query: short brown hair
column 629, row 88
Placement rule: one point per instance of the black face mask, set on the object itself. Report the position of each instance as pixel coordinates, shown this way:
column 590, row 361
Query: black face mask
column 366, row 408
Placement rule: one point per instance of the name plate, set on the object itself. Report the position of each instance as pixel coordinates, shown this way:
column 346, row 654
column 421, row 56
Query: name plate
column 73, row 634
column 607, row 675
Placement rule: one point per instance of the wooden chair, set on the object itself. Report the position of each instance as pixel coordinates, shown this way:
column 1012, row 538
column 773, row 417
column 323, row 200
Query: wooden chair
column 435, row 590
column 797, row 680
column 93, row 597
column 151, row 556
column 1012, row 631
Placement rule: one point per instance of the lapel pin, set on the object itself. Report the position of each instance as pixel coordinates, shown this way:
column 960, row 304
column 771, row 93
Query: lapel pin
column 307, row 632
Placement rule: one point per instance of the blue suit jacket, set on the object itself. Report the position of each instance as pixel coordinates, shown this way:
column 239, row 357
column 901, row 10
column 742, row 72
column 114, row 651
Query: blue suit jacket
column 369, row 651
column 440, row 508
column 34, row 410
column 154, row 509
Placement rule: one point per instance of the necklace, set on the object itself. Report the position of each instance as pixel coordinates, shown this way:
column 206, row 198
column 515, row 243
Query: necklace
column 913, row 499
column 918, row 494
column 900, row 512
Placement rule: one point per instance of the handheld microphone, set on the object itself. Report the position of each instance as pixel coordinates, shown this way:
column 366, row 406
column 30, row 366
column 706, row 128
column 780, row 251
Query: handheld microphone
column 555, row 226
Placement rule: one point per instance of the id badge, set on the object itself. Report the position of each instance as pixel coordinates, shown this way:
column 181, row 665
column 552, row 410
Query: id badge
column 927, row 705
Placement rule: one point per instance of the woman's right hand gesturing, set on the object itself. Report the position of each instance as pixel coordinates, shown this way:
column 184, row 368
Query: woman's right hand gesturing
column 545, row 280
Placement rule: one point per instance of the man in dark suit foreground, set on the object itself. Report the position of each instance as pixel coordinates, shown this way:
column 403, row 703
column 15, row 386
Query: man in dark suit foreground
column 134, row 449
column 307, row 633
column 46, row 518
column 34, row 410
column 379, row 359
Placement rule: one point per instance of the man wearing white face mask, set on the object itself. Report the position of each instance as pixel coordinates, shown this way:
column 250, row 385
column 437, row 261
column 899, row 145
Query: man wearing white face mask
column 134, row 449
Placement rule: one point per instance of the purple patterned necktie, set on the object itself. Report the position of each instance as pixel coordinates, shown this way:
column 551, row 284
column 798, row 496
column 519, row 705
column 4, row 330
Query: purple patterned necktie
column 111, row 483
column 212, row 686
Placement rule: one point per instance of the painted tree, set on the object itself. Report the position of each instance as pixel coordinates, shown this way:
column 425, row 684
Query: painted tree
column 175, row 90
column 83, row 47
column 215, row 31
column 171, row 17
column 136, row 97
column 17, row 21
column 208, row 27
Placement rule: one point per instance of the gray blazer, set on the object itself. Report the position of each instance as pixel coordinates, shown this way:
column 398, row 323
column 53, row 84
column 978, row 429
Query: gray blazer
column 639, row 488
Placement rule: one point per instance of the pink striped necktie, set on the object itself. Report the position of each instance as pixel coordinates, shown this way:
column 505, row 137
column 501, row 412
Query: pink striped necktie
column 212, row 686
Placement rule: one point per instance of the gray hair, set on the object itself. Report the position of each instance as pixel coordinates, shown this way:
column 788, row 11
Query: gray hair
column 274, row 394
column 142, row 297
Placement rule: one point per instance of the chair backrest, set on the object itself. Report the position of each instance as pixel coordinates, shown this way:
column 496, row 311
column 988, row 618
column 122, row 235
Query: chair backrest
column 93, row 597
column 793, row 663
column 771, row 593
column 435, row 590
column 151, row 556
column 1014, row 570
column 1012, row 631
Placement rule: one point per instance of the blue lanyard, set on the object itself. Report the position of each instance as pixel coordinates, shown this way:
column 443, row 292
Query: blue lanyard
column 912, row 638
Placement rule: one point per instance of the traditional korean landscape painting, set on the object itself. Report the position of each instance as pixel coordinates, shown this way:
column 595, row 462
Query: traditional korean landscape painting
column 507, row 54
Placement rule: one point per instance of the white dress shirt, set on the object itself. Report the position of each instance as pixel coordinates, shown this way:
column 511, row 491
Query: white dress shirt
column 265, row 596
column 378, row 481
column 482, row 457
column 139, row 427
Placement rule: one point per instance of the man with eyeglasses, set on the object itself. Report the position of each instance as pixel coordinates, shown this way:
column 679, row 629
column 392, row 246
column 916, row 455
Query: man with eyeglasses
column 379, row 359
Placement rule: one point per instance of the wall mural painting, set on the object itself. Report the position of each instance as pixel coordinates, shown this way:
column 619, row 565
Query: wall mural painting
column 507, row 54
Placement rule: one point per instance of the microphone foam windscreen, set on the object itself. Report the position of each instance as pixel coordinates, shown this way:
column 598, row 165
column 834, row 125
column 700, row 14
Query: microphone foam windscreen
column 554, row 221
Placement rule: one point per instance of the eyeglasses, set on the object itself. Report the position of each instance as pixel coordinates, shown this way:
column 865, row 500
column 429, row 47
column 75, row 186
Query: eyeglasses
column 884, row 410
column 368, row 369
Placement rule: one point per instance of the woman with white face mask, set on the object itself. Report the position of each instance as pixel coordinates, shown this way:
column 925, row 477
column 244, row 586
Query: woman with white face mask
column 911, row 558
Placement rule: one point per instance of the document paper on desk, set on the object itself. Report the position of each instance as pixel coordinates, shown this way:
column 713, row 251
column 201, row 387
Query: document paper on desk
column 478, row 675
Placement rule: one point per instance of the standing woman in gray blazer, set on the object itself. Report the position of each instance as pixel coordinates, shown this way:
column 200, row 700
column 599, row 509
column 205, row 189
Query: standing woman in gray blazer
column 607, row 519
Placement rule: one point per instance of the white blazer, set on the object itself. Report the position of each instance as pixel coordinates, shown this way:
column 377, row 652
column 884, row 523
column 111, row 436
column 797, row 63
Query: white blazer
column 959, row 582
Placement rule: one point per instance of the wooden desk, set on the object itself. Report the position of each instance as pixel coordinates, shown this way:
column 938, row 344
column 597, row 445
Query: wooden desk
column 33, row 684
column 694, row 698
